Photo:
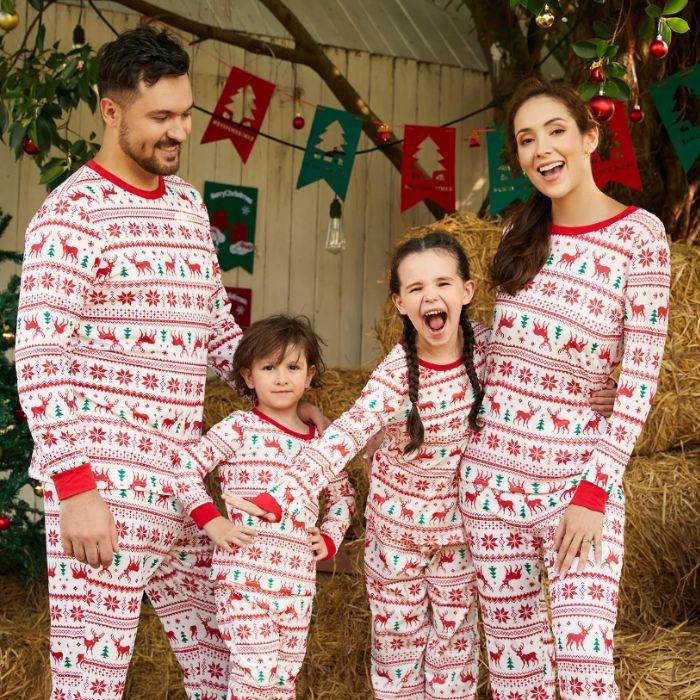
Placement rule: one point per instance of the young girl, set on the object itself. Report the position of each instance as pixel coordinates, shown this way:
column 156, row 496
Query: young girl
column 265, row 578
column 583, row 285
column 426, row 393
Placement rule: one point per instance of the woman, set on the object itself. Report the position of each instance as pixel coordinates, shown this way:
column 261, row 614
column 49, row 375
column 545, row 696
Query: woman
column 582, row 286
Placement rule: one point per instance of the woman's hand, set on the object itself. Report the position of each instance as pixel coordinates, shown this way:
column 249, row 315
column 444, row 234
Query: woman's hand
column 223, row 533
column 579, row 529
column 603, row 400
column 318, row 544
column 247, row 506
column 312, row 414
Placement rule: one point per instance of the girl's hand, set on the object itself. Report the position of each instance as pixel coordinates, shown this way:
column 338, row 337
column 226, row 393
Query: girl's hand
column 602, row 401
column 370, row 448
column 223, row 533
column 311, row 414
column 317, row 544
column 246, row 506
column 579, row 529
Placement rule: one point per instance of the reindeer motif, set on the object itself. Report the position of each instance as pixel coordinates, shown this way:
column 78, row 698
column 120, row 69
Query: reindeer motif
column 383, row 674
column 195, row 268
column 601, row 478
column 406, row 512
column 525, row 417
column 145, row 339
column 576, row 639
column 170, row 422
column 573, row 343
column 637, row 309
column 495, row 656
column 612, row 558
column 177, row 342
column 625, row 389
column 447, row 625
column 40, row 410
column 122, row 649
column 107, row 334
column 410, row 564
column 506, row 321
column 78, row 572
column 253, row 582
column 440, row 515
column 101, row 475
column 446, row 558
column 379, row 499
column 275, row 444
column 297, row 524
column 134, row 566
column 484, row 581
column 494, row 406
column 36, row 248
column 534, row 504
column 604, row 354
column 68, row 251
column 560, row 424
column 70, row 401
column 542, row 330
column 662, row 313
column 426, row 405
column 211, row 632
column 512, row 574
column 105, row 270
column 504, row 503
column 438, row 679
column 516, row 486
column 482, row 480
column 608, row 641
column 60, row 327
column 341, row 450
column 602, row 271
column 170, row 264
column 108, row 192
column 31, row 324
column 467, row 678
column 410, row 619
column 382, row 620
column 142, row 266
column 57, row 656
column 525, row 659
column 138, row 415
column 592, row 424
column 568, row 259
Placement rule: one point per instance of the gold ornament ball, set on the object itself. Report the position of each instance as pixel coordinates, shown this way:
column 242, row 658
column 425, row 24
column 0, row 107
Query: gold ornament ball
column 8, row 335
column 38, row 489
column 546, row 19
column 8, row 20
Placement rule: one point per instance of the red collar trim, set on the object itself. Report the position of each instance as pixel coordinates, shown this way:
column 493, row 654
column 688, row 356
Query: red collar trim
column 440, row 368
column 576, row 230
column 302, row 436
column 146, row 194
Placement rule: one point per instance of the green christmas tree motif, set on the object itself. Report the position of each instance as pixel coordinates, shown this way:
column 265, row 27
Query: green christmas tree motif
column 654, row 318
column 155, row 424
column 261, row 677
column 559, row 644
column 492, row 571
column 443, row 404
column 181, row 556
column 552, row 502
column 462, row 553
column 117, row 560
column 396, row 559
column 499, row 479
column 105, row 652
column 84, row 262
column 124, row 272
column 270, row 582
column 250, row 522
column 52, row 251
column 596, row 645
column 183, row 636
column 506, row 416
column 421, row 519
column 617, row 283
column 88, row 330
column 391, row 509
column 443, row 452
column 557, row 332
column 127, row 333
column 594, row 347
column 289, row 444
column 397, row 626
column 523, row 514
column 467, row 471
column 582, row 269
column 86, row 405
column 535, row 488
column 47, row 317
column 528, row 567
column 63, row 568
column 643, row 390
column 482, row 409
column 154, row 482
column 509, row 664
column 523, row 320
column 182, row 271
column 486, row 506
column 160, row 269
column 399, row 672
column 59, row 412
column 550, row 259
column 163, row 335
column 122, row 493
column 577, row 429
column 236, row 574
column 254, row 439
column 540, row 425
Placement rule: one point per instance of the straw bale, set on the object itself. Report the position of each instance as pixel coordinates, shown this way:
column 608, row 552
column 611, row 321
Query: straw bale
column 661, row 572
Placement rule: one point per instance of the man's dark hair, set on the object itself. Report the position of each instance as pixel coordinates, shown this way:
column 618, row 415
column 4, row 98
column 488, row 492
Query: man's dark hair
column 142, row 54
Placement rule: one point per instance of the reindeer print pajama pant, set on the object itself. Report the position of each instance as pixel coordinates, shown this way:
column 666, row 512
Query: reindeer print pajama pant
column 424, row 620
column 511, row 563
column 95, row 612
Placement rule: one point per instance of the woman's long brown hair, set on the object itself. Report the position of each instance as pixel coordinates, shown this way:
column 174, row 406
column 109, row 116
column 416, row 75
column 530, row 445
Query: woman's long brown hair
column 525, row 247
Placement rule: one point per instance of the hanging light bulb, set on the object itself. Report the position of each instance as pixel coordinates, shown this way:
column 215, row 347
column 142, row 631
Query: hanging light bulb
column 78, row 36
column 335, row 236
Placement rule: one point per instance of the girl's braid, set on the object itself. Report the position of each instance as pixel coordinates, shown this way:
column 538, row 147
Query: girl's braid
column 468, row 356
column 414, row 423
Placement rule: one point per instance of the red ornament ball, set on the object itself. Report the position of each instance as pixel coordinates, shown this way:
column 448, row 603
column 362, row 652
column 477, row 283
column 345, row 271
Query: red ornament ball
column 19, row 414
column 602, row 108
column 636, row 115
column 596, row 75
column 298, row 122
column 29, row 147
column 5, row 522
column 658, row 48
column 383, row 133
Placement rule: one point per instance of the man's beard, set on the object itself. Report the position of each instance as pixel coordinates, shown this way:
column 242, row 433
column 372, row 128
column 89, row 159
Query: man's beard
column 150, row 164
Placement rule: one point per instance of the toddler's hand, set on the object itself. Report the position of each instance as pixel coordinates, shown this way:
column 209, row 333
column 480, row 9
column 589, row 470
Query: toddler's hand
column 317, row 544
column 247, row 506
column 223, row 533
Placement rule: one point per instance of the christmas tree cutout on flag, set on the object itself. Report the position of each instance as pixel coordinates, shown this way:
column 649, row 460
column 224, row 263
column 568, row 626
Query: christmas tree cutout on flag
column 428, row 167
column 331, row 147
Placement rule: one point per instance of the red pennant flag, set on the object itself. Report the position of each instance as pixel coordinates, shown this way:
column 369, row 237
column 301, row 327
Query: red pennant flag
column 428, row 166
column 241, row 305
column 244, row 99
column 620, row 165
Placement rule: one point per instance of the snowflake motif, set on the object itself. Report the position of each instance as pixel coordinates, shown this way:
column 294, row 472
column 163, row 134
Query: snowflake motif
column 596, row 591
column 506, row 369
column 126, row 298
column 61, row 207
column 493, row 441
column 168, row 231
column 599, row 687
column 111, row 602
column 396, row 644
column 548, row 289
column 595, row 306
column 114, row 231
column 514, row 540
column 526, row 611
column 98, row 687
column 572, row 296
column 55, row 612
column 662, row 257
column 569, row 591
column 265, row 477
column 295, row 562
column 133, row 605
column 515, row 695
column 53, row 538
column 47, row 280
column 573, row 387
column 68, row 287
column 462, row 644
column 27, row 372
column 124, row 376
column 122, row 438
column 401, row 479
column 421, row 485
column 173, row 385
column 501, row 614
column 150, row 381
column 638, row 356
column 513, row 447
column 576, row 686
column 562, row 457
column 625, row 233
column 489, row 542
column 97, row 435
column 538, row 693
column 187, row 301
column 419, row 642
column 548, row 382
column 171, row 299
column 97, row 297
column 645, row 257
column 134, row 229
column 28, row 282
column 525, row 376
column 621, row 433
column 243, row 631
column 616, row 526
column 152, row 297
column 97, row 372
column 50, row 367
column 188, row 387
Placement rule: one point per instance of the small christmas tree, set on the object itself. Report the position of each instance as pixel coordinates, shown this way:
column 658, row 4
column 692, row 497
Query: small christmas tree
column 22, row 547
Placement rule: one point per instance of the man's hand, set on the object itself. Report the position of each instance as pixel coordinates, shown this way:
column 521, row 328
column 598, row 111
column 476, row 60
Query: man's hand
column 88, row 532
column 246, row 506
column 318, row 544
column 223, row 533
column 311, row 414
column 579, row 529
column 602, row 401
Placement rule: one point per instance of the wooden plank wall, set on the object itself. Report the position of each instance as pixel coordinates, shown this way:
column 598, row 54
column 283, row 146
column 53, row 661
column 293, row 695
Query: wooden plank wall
column 342, row 294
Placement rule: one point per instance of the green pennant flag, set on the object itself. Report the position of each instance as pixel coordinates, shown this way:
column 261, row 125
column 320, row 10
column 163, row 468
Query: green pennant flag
column 232, row 211
column 330, row 150
column 677, row 99
column 504, row 188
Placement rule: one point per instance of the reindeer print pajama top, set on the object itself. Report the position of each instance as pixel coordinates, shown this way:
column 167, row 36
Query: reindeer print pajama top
column 600, row 300
column 264, row 590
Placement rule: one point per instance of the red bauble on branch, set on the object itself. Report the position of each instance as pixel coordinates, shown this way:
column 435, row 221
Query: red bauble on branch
column 5, row 522
column 658, row 48
column 596, row 75
column 602, row 108
column 636, row 115
column 19, row 414
column 29, row 147
column 298, row 122
column 383, row 133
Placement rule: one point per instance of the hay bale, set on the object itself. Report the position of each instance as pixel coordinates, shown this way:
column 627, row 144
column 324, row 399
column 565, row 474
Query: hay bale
column 661, row 572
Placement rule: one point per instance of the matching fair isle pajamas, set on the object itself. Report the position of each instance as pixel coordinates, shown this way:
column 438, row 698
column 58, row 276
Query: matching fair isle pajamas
column 418, row 569
column 600, row 300
column 121, row 311
column 264, row 591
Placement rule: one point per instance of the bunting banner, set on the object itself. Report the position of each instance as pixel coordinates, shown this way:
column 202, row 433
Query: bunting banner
column 244, row 99
column 330, row 150
column 428, row 166
column 504, row 187
column 232, row 213
column 241, row 305
column 619, row 164
column 677, row 99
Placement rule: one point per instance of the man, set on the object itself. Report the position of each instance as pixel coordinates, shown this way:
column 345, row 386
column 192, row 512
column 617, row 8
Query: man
column 121, row 311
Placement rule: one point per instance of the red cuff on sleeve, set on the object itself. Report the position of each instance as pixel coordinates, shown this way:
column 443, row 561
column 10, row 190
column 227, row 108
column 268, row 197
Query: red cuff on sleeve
column 74, row 481
column 590, row 496
column 267, row 502
column 204, row 514
column 331, row 547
